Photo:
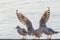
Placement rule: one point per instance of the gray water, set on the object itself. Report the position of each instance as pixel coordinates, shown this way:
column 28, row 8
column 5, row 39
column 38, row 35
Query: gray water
column 33, row 10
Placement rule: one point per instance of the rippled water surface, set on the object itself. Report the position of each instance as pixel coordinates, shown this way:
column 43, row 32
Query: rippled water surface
column 33, row 10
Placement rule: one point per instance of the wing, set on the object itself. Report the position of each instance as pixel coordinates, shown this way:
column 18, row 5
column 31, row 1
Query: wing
column 45, row 16
column 50, row 30
column 24, row 20
column 21, row 18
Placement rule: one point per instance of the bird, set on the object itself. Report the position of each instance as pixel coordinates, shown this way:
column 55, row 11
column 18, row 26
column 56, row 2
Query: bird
column 42, row 24
column 22, row 31
column 25, row 21
column 48, row 31
column 45, row 16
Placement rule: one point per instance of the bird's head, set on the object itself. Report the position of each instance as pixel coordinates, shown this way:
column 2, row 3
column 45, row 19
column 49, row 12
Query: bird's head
column 17, row 27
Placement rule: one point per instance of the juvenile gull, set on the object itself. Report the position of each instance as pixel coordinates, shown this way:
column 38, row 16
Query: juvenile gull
column 24, row 20
column 22, row 31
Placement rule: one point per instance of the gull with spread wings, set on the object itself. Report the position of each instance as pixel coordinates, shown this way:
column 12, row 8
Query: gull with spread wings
column 24, row 20
column 42, row 24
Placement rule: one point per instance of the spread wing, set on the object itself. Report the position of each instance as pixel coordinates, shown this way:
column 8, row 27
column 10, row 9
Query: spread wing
column 21, row 17
column 24, row 20
column 45, row 17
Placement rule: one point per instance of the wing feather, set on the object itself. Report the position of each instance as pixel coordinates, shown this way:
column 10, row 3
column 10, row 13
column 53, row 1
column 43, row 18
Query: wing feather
column 24, row 20
column 45, row 17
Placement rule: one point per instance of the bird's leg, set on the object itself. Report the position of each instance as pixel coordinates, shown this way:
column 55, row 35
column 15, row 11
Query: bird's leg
column 47, row 37
column 35, row 37
column 24, row 37
column 50, row 37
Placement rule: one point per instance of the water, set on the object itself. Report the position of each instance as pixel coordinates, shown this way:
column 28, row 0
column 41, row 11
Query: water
column 33, row 10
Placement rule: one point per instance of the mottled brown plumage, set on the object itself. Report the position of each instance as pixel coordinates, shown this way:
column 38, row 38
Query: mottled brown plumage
column 24, row 20
column 21, row 17
column 45, row 17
